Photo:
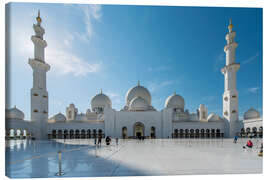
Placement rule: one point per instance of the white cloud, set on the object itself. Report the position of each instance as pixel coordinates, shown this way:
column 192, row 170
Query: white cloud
column 253, row 89
column 64, row 62
column 251, row 59
column 90, row 12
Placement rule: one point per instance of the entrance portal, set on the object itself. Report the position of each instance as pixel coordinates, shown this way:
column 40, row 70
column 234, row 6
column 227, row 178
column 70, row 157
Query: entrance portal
column 138, row 130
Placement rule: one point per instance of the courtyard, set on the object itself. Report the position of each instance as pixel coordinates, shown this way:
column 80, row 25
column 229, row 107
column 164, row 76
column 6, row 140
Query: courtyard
column 81, row 158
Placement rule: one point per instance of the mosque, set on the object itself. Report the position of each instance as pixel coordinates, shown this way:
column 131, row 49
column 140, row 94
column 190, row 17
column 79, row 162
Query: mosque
column 138, row 118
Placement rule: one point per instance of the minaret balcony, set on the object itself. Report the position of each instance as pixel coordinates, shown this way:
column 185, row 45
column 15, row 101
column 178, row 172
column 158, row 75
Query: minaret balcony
column 231, row 67
column 38, row 41
column 38, row 64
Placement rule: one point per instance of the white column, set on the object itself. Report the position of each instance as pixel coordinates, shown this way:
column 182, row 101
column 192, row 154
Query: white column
column 39, row 93
column 230, row 96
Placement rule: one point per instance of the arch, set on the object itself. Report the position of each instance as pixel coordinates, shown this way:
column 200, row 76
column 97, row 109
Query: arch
column 175, row 135
column 153, row 132
column 138, row 130
column 18, row 133
column 77, row 134
column 83, row 134
column 213, row 133
column 54, row 134
column 59, row 134
column 88, row 133
column 65, row 134
column 186, row 133
column 124, row 132
column 192, row 133
column 202, row 132
column 197, row 133
column 248, row 130
column 207, row 133
column 181, row 131
column 95, row 133
column 71, row 134
column 261, row 132
column 218, row 133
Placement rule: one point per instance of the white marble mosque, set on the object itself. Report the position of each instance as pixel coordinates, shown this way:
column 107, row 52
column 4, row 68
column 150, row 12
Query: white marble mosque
column 138, row 118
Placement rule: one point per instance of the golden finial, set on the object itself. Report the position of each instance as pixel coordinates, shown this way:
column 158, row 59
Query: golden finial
column 138, row 82
column 230, row 25
column 38, row 18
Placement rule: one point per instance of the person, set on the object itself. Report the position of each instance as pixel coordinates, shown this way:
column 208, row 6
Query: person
column 261, row 150
column 99, row 141
column 116, row 140
column 95, row 140
column 235, row 139
column 108, row 140
column 249, row 144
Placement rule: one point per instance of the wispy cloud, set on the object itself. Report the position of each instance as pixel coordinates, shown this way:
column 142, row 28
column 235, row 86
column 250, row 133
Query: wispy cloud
column 253, row 89
column 154, row 86
column 91, row 12
column 219, row 61
column 251, row 59
column 64, row 62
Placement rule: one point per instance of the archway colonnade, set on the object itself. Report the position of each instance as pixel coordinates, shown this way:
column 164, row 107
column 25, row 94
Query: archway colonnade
column 152, row 134
column 197, row 133
column 252, row 132
column 18, row 133
column 75, row 133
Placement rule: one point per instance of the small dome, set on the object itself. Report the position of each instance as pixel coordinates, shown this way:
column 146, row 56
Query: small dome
column 138, row 91
column 251, row 114
column 213, row 117
column 101, row 101
column 175, row 101
column 138, row 104
column 14, row 113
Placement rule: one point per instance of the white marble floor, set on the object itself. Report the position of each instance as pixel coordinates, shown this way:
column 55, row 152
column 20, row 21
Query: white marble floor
column 80, row 158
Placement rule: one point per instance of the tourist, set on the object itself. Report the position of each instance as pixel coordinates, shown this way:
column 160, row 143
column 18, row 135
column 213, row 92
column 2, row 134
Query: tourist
column 116, row 140
column 235, row 139
column 95, row 140
column 99, row 141
column 261, row 150
column 108, row 140
column 249, row 144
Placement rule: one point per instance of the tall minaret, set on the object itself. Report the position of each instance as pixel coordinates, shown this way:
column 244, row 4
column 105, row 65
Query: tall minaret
column 230, row 96
column 39, row 93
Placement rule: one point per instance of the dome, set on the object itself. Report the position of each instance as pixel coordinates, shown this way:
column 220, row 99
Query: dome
column 14, row 113
column 101, row 100
column 59, row 117
column 138, row 104
column 251, row 114
column 212, row 117
column 175, row 101
column 138, row 91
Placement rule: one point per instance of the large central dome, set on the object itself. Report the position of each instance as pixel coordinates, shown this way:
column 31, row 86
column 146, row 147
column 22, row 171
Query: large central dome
column 138, row 91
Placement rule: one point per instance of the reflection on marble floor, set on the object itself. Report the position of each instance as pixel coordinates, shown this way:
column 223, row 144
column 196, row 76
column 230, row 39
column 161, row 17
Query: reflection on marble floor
column 80, row 158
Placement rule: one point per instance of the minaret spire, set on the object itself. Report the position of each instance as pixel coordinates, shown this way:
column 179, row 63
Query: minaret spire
column 138, row 82
column 230, row 95
column 39, row 93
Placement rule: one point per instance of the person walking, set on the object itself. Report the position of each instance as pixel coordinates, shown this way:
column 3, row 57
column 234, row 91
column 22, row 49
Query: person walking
column 95, row 140
column 249, row 144
column 99, row 141
column 116, row 141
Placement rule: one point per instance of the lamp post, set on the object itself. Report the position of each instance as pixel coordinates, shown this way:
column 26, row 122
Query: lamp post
column 60, row 173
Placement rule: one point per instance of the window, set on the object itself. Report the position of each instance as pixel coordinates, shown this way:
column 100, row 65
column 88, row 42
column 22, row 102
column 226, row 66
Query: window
column 226, row 98
column 35, row 94
column 35, row 110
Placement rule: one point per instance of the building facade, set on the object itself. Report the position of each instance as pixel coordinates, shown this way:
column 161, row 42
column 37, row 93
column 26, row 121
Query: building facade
column 138, row 118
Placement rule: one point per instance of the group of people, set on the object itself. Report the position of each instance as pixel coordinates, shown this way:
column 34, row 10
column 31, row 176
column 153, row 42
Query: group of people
column 108, row 140
column 249, row 144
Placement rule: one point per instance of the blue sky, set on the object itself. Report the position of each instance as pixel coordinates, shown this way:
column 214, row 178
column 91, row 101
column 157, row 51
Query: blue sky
column 112, row 47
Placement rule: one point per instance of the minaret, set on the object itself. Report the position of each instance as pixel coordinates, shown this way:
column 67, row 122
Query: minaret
column 39, row 93
column 230, row 96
